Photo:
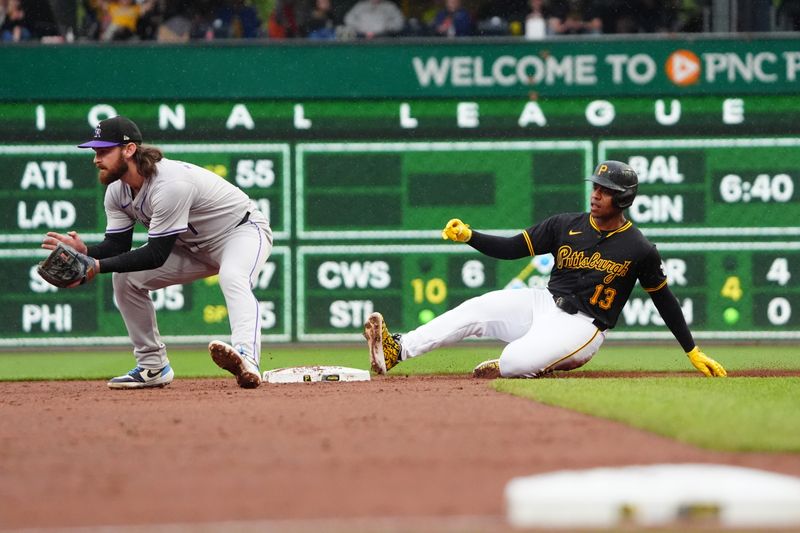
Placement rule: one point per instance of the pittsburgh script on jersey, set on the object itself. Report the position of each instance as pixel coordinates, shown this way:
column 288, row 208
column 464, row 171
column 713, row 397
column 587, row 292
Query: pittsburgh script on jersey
column 566, row 257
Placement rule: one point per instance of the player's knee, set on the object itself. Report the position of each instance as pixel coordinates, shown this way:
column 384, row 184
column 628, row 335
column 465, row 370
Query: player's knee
column 127, row 282
column 229, row 280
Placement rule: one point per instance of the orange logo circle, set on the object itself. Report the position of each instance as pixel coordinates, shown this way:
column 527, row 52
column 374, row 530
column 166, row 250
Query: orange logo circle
column 683, row 68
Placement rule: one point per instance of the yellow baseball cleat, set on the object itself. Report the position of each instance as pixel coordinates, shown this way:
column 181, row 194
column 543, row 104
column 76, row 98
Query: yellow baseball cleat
column 384, row 348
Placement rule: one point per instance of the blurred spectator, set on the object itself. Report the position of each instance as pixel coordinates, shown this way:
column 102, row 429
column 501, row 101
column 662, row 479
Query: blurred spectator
column 170, row 20
column 507, row 10
column 689, row 16
column 653, row 16
column 149, row 19
column 202, row 20
column 374, row 18
column 282, row 21
column 15, row 26
column 321, row 24
column 92, row 18
column 788, row 15
column 536, row 21
column 236, row 19
column 427, row 11
column 119, row 20
column 575, row 17
column 176, row 29
column 501, row 17
column 453, row 20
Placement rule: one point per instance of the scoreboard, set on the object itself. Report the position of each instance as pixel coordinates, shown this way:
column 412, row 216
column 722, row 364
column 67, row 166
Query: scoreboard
column 713, row 187
column 357, row 193
column 37, row 314
column 401, row 190
column 55, row 188
column 742, row 290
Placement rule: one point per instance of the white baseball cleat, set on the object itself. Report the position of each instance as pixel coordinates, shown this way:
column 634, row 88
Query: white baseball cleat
column 247, row 373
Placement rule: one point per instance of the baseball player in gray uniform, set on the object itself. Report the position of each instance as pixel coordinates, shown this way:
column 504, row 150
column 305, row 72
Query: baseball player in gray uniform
column 198, row 225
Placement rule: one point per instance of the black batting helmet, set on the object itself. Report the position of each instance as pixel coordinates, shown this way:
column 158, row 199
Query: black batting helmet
column 618, row 177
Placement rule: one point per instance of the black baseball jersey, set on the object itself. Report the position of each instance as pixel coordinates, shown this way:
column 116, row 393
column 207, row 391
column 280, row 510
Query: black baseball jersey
column 596, row 269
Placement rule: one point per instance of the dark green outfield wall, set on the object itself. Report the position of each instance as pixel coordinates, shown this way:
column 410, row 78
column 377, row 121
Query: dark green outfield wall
column 588, row 67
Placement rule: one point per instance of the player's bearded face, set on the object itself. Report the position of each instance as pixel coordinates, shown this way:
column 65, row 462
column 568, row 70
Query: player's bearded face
column 111, row 164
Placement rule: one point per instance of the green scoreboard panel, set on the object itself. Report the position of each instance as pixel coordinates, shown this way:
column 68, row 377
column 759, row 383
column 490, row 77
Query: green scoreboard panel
column 38, row 314
column 713, row 187
column 403, row 190
column 357, row 192
column 55, row 187
column 744, row 290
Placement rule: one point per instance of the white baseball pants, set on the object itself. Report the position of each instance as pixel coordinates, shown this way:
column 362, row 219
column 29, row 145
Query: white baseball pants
column 237, row 259
column 540, row 336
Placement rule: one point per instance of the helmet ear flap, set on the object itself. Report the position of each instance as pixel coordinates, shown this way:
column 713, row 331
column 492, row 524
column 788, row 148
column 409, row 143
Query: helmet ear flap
column 624, row 199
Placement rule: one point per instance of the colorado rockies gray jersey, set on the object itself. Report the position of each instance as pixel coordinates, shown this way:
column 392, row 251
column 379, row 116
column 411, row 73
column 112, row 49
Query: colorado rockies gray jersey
column 180, row 199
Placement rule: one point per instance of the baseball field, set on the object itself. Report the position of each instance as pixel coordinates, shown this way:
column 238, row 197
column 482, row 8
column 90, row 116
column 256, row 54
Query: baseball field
column 426, row 448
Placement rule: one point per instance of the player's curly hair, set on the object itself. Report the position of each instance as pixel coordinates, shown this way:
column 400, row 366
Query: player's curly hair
column 146, row 158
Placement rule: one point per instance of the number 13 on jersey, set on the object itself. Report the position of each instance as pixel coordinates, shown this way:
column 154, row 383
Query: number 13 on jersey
column 603, row 297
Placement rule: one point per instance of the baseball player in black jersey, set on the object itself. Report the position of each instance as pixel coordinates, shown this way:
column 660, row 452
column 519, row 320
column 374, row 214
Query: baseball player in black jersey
column 598, row 257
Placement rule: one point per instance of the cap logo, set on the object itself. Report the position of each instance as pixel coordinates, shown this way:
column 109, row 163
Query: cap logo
column 602, row 169
column 126, row 138
column 97, row 132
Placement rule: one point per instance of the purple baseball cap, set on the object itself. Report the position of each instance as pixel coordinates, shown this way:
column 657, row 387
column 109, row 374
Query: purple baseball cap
column 115, row 131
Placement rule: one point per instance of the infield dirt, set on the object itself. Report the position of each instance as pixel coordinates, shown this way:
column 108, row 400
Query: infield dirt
column 397, row 451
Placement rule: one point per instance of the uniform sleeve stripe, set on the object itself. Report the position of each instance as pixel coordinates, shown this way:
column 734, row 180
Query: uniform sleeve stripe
column 119, row 230
column 528, row 242
column 654, row 289
column 169, row 232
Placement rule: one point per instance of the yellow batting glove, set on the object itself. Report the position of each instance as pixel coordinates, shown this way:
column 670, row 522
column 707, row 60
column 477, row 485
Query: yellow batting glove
column 705, row 364
column 457, row 231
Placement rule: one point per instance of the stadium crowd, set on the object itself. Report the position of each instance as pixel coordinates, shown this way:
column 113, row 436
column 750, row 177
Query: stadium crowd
column 188, row 20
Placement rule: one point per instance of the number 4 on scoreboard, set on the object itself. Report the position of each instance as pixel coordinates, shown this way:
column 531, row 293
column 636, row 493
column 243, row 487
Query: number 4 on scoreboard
column 732, row 288
column 779, row 271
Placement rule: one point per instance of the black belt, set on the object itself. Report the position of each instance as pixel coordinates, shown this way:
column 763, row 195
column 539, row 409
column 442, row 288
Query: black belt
column 569, row 306
column 244, row 220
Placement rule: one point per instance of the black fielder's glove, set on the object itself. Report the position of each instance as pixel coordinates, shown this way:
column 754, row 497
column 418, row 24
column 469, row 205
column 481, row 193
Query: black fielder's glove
column 66, row 267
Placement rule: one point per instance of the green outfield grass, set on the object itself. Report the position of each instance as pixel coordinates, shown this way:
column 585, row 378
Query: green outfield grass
column 193, row 363
column 740, row 414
